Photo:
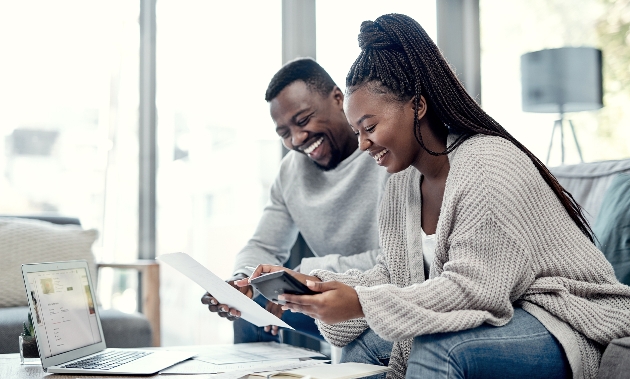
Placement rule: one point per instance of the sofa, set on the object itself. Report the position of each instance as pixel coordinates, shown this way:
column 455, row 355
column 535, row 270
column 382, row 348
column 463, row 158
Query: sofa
column 29, row 239
column 603, row 191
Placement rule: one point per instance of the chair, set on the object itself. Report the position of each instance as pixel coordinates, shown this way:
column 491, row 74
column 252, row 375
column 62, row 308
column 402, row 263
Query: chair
column 27, row 239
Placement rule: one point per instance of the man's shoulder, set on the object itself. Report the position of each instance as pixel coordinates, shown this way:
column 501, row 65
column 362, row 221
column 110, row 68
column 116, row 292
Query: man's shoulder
column 294, row 162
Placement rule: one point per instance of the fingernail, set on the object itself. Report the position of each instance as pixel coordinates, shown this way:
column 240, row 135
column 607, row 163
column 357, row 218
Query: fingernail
column 309, row 283
column 224, row 310
column 281, row 297
column 213, row 302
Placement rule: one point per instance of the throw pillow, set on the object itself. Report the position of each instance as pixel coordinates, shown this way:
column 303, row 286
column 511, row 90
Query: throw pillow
column 34, row 241
column 612, row 227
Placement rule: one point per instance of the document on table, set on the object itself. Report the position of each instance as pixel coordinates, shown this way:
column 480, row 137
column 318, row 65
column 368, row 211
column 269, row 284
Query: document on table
column 192, row 367
column 223, row 292
column 253, row 352
column 348, row 370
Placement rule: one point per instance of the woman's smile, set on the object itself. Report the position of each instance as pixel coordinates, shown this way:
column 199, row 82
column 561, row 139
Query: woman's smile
column 380, row 156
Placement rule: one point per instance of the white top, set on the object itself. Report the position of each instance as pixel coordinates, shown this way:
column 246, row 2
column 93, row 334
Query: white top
column 428, row 251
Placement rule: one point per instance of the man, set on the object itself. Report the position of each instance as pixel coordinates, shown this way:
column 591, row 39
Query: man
column 326, row 189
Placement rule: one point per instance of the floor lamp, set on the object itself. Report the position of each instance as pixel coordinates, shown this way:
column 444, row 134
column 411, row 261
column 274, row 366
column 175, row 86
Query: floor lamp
column 567, row 79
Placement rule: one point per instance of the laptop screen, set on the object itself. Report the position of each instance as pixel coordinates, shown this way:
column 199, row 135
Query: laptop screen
column 64, row 310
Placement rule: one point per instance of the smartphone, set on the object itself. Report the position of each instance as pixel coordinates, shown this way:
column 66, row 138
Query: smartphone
column 277, row 283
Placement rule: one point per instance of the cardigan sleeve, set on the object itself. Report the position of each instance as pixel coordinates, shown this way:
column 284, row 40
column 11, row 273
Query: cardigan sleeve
column 345, row 332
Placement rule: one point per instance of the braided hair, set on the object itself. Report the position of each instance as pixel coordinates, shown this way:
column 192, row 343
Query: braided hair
column 397, row 54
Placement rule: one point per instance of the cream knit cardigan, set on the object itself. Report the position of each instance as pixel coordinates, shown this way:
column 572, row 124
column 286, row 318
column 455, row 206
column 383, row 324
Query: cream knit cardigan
column 503, row 238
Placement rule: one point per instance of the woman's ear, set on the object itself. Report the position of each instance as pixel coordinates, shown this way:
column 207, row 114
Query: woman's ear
column 422, row 106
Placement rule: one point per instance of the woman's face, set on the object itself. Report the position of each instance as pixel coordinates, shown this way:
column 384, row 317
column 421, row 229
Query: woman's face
column 384, row 128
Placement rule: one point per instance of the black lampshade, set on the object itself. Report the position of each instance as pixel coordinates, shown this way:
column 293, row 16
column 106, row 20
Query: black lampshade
column 568, row 79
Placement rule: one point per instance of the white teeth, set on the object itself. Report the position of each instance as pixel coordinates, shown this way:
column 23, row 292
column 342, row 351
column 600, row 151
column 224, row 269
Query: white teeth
column 378, row 156
column 314, row 146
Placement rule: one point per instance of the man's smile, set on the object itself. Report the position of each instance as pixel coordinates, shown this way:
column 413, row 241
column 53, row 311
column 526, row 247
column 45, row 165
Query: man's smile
column 309, row 149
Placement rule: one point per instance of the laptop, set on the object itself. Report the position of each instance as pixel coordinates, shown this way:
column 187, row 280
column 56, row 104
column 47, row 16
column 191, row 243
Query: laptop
column 68, row 328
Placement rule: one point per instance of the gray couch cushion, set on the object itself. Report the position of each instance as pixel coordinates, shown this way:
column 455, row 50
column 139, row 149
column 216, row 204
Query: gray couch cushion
column 612, row 227
column 615, row 362
column 30, row 241
column 11, row 320
column 125, row 330
column 588, row 182
column 120, row 329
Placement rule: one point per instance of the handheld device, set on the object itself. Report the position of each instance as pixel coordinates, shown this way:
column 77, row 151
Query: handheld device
column 277, row 283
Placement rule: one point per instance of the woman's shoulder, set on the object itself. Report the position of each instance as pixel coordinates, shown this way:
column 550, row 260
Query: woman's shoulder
column 483, row 152
column 485, row 145
column 493, row 163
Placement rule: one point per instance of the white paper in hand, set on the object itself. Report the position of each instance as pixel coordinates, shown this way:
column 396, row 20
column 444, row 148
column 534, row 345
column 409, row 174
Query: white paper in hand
column 220, row 290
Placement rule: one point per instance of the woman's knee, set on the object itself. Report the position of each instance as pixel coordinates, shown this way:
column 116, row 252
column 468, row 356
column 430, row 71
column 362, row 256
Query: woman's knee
column 367, row 348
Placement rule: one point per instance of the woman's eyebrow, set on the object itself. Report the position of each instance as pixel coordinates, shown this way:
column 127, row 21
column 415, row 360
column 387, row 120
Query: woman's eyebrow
column 363, row 118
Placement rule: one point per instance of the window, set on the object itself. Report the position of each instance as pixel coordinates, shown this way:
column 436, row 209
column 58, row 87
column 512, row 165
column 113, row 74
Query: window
column 217, row 148
column 68, row 115
column 338, row 25
column 512, row 28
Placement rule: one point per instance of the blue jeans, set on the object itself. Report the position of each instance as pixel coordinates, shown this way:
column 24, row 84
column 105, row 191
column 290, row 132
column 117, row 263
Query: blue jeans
column 247, row 332
column 368, row 348
column 523, row 348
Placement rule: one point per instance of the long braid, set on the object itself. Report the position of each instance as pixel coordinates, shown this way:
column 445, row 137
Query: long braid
column 397, row 53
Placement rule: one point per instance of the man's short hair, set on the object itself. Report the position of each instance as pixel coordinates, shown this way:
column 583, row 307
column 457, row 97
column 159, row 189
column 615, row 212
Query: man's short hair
column 304, row 69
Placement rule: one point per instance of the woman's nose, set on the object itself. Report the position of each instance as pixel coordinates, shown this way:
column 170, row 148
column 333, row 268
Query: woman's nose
column 364, row 143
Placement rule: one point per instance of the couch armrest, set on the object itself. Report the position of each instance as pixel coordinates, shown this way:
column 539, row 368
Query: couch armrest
column 150, row 290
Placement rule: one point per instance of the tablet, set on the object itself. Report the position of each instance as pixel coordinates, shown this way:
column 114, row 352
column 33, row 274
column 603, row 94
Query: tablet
column 277, row 283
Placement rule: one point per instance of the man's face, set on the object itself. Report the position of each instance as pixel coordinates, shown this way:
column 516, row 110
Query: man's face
column 313, row 124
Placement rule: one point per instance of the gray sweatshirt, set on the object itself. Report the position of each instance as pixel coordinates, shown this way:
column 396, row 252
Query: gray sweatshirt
column 335, row 211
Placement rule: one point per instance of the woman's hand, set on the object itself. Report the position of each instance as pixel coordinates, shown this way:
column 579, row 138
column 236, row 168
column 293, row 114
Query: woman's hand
column 337, row 302
column 273, row 308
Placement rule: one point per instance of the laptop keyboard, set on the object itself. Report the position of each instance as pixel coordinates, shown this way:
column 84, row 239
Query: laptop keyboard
column 107, row 360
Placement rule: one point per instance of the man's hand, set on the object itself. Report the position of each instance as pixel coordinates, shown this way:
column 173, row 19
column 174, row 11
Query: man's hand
column 337, row 302
column 222, row 309
column 276, row 310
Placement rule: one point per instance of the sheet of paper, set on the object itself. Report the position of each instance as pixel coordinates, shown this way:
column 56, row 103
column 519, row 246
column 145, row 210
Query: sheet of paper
column 348, row 370
column 223, row 292
column 192, row 367
column 253, row 352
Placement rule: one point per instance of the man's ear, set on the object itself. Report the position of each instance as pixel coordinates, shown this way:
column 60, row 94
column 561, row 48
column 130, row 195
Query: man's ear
column 422, row 106
column 337, row 96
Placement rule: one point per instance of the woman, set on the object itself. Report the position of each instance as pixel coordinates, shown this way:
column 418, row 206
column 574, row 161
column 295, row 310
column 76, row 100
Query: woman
column 488, row 266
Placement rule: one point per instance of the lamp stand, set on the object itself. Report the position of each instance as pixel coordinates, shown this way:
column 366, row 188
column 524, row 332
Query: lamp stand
column 559, row 124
